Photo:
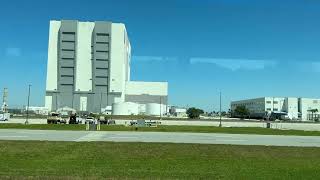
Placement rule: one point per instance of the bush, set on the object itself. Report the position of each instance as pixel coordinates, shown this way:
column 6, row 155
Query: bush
column 241, row 111
column 194, row 113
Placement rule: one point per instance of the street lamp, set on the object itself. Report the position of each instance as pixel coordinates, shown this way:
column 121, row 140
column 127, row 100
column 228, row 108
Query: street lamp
column 100, row 103
column 220, row 124
column 56, row 93
column 27, row 122
column 160, row 107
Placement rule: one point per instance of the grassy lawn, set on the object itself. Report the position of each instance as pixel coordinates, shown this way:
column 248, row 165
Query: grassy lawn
column 97, row 160
column 202, row 129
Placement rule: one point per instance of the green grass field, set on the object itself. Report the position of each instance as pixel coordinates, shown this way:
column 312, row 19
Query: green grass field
column 201, row 129
column 99, row 160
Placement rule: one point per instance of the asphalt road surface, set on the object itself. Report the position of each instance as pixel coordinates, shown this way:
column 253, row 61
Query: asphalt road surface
column 229, row 123
column 165, row 137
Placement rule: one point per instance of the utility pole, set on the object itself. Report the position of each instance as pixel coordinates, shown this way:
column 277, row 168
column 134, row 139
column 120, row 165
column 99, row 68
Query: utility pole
column 56, row 100
column 166, row 99
column 160, row 107
column 82, row 106
column 220, row 125
column 72, row 100
column 272, row 104
column 27, row 122
column 100, row 103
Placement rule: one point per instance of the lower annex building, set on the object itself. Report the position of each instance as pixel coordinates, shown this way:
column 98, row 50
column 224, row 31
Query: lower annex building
column 89, row 69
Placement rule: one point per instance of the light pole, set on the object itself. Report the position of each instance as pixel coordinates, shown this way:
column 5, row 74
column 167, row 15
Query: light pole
column 220, row 125
column 160, row 107
column 27, row 122
column 100, row 103
column 56, row 93
column 72, row 100
column 82, row 106
column 272, row 104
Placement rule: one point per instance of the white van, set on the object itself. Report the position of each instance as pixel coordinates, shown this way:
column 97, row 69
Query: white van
column 4, row 116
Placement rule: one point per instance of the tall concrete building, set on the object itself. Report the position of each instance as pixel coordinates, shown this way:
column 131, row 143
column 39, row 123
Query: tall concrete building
column 89, row 68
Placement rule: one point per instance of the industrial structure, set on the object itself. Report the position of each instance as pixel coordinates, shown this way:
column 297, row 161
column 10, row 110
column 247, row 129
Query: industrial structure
column 4, row 115
column 178, row 111
column 4, row 107
column 38, row 110
column 89, row 70
column 294, row 108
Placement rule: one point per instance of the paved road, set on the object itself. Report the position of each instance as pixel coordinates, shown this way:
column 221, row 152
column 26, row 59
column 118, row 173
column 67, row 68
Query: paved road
column 295, row 126
column 170, row 137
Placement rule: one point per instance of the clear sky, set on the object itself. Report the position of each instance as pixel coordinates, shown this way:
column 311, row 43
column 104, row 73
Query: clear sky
column 245, row 48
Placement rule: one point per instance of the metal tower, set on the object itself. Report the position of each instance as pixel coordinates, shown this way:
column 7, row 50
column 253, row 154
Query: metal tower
column 5, row 100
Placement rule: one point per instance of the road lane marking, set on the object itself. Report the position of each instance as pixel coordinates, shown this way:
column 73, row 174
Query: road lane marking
column 13, row 136
column 230, row 140
column 91, row 137
column 225, row 136
column 122, row 137
column 37, row 133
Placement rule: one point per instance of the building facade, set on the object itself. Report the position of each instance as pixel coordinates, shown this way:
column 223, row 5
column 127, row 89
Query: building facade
column 89, row 68
column 38, row 110
column 294, row 108
column 178, row 111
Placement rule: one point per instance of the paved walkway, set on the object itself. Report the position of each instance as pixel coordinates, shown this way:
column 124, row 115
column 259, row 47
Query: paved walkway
column 274, row 125
column 166, row 137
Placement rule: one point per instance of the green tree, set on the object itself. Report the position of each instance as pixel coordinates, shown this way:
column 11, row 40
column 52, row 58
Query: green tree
column 241, row 111
column 313, row 111
column 229, row 112
column 194, row 113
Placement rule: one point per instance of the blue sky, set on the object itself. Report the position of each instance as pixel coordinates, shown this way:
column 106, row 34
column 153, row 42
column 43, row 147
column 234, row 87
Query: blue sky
column 245, row 48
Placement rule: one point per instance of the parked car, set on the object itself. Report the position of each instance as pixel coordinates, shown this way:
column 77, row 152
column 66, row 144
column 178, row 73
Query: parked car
column 111, row 122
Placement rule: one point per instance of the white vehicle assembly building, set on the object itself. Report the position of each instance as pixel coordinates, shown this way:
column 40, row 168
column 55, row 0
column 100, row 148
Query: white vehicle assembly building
column 89, row 70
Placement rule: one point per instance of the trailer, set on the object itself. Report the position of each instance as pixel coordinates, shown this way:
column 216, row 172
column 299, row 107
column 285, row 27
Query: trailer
column 55, row 118
column 4, row 116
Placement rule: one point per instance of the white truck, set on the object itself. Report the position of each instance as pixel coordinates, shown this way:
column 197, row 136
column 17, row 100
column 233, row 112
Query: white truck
column 55, row 118
column 4, row 116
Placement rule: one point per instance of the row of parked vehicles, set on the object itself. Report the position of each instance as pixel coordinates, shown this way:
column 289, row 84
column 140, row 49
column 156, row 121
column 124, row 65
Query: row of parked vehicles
column 57, row 118
column 73, row 118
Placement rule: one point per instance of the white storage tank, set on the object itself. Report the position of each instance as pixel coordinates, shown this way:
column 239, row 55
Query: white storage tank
column 142, row 108
column 125, row 108
column 120, row 109
column 154, row 109
column 133, row 108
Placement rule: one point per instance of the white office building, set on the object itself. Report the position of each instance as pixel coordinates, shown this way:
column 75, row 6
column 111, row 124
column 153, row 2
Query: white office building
column 38, row 110
column 178, row 111
column 89, row 68
column 294, row 108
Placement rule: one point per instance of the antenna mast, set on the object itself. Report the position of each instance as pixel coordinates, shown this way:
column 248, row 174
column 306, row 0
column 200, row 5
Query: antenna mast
column 5, row 100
